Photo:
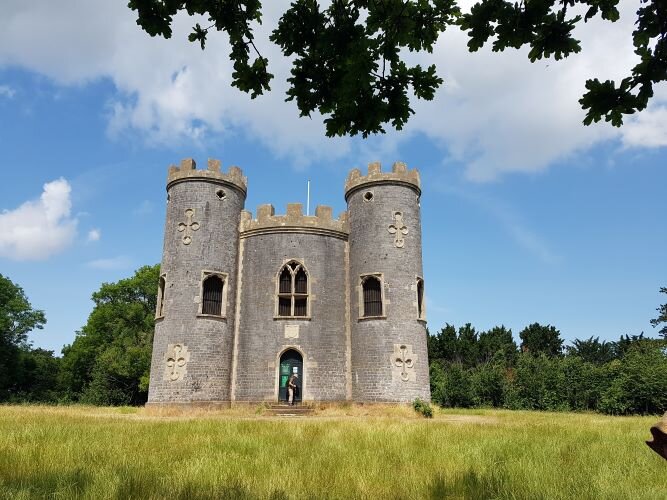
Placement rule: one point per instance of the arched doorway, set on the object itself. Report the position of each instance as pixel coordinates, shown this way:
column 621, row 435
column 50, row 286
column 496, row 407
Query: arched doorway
column 290, row 362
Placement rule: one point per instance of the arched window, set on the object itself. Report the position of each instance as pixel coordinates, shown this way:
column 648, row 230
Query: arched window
column 372, row 296
column 293, row 290
column 212, row 289
column 159, row 310
column 421, row 313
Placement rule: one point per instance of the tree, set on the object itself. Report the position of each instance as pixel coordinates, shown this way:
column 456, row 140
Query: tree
column 109, row 361
column 37, row 377
column 450, row 385
column 497, row 344
column 17, row 319
column 443, row 346
column 592, row 350
column 639, row 384
column 348, row 59
column 468, row 346
column 625, row 342
column 539, row 383
column 538, row 339
column 662, row 317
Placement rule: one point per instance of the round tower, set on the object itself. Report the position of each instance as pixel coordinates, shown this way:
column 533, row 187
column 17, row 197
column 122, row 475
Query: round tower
column 194, row 326
column 387, row 310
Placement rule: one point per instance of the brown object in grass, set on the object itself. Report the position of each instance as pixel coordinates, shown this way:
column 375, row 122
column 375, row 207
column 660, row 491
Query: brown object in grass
column 659, row 443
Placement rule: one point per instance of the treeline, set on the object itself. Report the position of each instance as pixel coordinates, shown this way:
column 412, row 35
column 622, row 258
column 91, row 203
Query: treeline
column 107, row 364
column 488, row 369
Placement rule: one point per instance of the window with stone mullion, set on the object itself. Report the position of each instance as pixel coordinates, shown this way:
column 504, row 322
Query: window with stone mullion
column 293, row 291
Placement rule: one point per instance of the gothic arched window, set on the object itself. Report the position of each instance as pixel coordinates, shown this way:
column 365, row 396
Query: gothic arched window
column 372, row 296
column 212, row 300
column 293, row 290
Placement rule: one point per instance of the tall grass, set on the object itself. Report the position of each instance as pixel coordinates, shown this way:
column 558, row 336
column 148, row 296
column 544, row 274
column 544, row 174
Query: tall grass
column 122, row 453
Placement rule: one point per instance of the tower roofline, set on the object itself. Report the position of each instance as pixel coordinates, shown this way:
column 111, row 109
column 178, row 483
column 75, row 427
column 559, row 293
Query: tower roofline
column 294, row 221
column 399, row 175
column 187, row 171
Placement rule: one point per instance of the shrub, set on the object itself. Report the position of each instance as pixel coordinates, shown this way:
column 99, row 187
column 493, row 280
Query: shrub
column 423, row 407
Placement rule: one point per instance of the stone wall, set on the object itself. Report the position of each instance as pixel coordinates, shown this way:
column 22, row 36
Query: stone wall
column 206, row 208
column 235, row 357
column 263, row 337
column 389, row 354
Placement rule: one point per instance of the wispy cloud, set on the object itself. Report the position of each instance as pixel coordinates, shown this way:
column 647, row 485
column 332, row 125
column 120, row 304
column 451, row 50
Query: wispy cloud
column 512, row 222
column 497, row 113
column 647, row 129
column 94, row 235
column 40, row 228
column 112, row 263
column 145, row 208
column 7, row 91
column 527, row 239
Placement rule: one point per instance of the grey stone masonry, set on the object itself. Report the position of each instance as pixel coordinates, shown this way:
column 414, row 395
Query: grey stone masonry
column 233, row 352
column 377, row 204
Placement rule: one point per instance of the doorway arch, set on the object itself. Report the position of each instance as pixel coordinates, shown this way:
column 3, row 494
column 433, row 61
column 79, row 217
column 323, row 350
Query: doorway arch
column 291, row 361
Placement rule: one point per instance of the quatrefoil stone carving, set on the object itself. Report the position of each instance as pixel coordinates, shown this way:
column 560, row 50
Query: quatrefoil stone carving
column 399, row 229
column 403, row 362
column 189, row 226
column 176, row 357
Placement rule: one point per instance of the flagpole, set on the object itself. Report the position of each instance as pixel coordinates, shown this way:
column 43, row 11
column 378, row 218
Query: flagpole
column 308, row 199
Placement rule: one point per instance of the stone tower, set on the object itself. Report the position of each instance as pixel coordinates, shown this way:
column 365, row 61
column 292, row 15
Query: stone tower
column 193, row 344
column 389, row 352
column 244, row 302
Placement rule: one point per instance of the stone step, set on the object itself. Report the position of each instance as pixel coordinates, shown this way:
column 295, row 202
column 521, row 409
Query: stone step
column 285, row 410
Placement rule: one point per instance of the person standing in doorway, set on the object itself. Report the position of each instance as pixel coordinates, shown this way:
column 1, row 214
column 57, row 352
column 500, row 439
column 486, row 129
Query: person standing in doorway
column 291, row 388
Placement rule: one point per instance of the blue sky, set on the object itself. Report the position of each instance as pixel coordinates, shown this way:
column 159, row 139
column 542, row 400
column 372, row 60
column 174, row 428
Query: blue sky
column 527, row 215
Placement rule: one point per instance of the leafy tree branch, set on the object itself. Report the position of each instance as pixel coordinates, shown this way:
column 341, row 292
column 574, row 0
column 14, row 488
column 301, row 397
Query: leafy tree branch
column 337, row 51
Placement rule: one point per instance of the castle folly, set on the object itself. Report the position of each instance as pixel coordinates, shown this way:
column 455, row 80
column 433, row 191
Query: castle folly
column 243, row 303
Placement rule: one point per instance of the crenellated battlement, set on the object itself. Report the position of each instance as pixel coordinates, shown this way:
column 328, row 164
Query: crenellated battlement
column 188, row 171
column 399, row 175
column 294, row 221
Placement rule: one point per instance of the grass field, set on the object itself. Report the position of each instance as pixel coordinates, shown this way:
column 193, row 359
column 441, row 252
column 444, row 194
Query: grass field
column 348, row 452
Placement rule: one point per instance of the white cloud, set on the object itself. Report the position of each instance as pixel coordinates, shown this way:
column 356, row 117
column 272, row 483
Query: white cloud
column 41, row 228
column 94, row 235
column 496, row 114
column 648, row 129
column 7, row 91
column 501, row 114
column 112, row 263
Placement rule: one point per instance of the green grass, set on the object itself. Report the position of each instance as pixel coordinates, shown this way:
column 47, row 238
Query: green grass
column 349, row 452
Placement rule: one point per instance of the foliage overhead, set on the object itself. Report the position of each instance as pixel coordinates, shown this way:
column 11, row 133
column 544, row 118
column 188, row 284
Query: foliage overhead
column 348, row 56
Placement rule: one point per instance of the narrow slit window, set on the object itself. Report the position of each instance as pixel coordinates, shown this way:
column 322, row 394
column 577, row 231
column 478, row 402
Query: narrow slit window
column 159, row 312
column 420, row 298
column 293, row 290
column 212, row 296
column 372, row 290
